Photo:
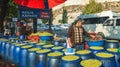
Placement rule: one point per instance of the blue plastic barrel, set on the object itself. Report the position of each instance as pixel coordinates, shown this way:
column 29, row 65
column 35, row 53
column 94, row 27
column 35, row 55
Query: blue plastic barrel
column 56, row 42
column 41, row 58
column 96, row 49
column 49, row 46
column 70, row 61
column 3, row 48
column 31, row 57
column 6, row 51
column 23, row 55
column 0, row 46
column 91, row 63
column 54, row 59
column 57, row 48
column 16, row 54
column 39, row 45
column 108, row 59
column 12, row 45
column 117, row 55
column 22, row 37
column 111, row 44
column 85, row 54
column 33, row 44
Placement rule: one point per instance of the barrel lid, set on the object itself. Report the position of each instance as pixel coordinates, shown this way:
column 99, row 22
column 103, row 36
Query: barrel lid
column 33, row 42
column 20, row 45
column 96, row 48
column 43, row 51
column 26, row 46
column 26, row 41
column 83, row 52
column 54, row 54
column 112, row 49
column 34, row 49
column 57, row 47
column 112, row 41
column 65, row 50
column 15, row 43
column 40, row 43
column 47, row 46
column 104, row 55
column 91, row 63
column 70, row 58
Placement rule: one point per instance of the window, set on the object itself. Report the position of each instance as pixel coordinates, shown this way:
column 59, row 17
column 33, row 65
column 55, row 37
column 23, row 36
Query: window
column 109, row 22
column 118, row 22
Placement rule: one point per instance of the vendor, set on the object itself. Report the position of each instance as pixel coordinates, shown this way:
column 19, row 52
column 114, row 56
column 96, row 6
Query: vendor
column 75, row 35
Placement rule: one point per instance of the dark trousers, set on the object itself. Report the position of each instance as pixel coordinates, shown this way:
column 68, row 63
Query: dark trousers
column 79, row 46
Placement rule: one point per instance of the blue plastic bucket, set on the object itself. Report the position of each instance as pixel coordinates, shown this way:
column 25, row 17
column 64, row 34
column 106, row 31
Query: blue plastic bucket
column 31, row 57
column 22, row 37
column 91, row 63
column 57, row 49
column 41, row 58
column 96, row 43
column 23, row 55
column 85, row 54
column 117, row 55
column 96, row 49
column 70, row 61
column 111, row 44
column 1, row 35
column 46, row 38
column 54, row 59
column 107, row 59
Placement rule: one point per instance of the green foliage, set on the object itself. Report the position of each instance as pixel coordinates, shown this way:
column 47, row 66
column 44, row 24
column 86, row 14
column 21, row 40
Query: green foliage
column 60, row 21
column 13, row 9
column 64, row 17
column 45, row 20
column 92, row 7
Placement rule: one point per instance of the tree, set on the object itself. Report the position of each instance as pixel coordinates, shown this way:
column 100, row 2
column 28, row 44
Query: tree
column 13, row 9
column 92, row 7
column 3, row 12
column 64, row 16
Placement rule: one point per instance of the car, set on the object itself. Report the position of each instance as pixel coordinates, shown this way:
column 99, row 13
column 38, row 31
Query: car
column 65, row 26
column 56, row 27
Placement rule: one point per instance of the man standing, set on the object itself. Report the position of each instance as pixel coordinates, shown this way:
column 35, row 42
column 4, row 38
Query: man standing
column 75, row 35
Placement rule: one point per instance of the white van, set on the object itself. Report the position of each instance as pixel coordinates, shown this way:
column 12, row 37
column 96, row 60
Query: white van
column 110, row 28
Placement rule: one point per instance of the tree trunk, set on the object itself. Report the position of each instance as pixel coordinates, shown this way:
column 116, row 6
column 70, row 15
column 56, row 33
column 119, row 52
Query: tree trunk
column 3, row 11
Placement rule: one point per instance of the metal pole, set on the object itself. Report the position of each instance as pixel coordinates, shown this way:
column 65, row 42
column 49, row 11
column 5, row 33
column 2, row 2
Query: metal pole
column 47, row 7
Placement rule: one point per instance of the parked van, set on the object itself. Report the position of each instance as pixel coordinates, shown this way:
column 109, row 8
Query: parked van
column 110, row 28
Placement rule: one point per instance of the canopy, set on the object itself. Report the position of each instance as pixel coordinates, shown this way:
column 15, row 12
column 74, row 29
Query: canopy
column 39, row 4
